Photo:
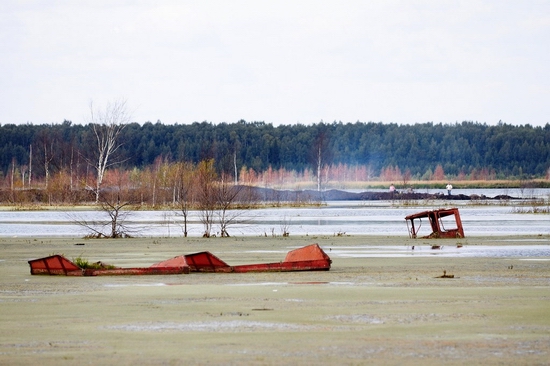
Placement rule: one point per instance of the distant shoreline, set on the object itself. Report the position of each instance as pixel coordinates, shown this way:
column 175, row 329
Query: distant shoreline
column 297, row 198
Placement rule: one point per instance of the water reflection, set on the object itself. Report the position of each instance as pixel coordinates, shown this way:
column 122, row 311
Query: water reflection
column 532, row 252
column 350, row 218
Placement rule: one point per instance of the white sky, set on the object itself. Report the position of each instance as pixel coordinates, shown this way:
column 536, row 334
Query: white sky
column 282, row 62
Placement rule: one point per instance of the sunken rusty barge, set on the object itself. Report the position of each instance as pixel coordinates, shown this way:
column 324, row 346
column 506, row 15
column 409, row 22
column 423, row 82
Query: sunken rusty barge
column 308, row 258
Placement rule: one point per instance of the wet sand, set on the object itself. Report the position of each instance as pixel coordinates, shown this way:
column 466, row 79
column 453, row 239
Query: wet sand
column 363, row 311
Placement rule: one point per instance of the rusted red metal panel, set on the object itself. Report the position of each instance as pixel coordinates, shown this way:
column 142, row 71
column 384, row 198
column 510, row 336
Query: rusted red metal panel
column 440, row 212
column 61, row 266
column 307, row 253
column 313, row 265
column 54, row 265
column 178, row 261
column 206, row 262
column 308, row 258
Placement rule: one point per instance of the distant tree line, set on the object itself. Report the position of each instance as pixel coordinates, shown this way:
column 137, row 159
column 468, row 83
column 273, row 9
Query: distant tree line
column 30, row 153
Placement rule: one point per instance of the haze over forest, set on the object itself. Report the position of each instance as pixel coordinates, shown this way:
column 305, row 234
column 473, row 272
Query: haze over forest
column 466, row 150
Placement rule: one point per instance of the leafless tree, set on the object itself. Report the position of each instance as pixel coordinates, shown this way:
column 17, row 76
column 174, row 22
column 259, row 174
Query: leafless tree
column 206, row 177
column 115, row 202
column 12, row 175
column 184, row 196
column 30, row 166
column 321, row 154
column 226, row 194
column 285, row 225
column 23, row 171
column 117, row 214
column 114, row 226
column 107, row 125
column 47, row 144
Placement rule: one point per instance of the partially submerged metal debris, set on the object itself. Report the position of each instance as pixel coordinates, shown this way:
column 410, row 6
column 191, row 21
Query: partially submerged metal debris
column 435, row 217
column 308, row 258
column 445, row 275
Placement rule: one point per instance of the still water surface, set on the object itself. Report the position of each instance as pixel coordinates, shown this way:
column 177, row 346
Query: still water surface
column 351, row 218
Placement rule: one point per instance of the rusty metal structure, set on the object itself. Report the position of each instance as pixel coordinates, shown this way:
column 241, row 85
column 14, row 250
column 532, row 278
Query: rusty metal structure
column 308, row 258
column 437, row 224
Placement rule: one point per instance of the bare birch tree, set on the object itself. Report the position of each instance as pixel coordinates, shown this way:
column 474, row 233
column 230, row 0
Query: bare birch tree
column 47, row 144
column 107, row 125
column 320, row 154
column 30, row 166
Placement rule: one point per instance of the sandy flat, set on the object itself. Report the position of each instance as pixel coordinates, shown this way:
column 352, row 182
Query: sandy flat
column 370, row 308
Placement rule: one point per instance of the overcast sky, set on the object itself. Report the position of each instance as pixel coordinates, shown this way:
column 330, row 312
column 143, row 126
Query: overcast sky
column 282, row 62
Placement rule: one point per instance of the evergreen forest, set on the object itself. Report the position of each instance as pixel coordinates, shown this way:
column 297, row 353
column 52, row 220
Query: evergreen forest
column 467, row 150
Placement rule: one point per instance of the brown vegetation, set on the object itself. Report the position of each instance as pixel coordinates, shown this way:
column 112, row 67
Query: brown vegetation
column 176, row 184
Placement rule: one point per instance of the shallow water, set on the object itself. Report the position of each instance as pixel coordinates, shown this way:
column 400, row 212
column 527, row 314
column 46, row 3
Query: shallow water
column 528, row 252
column 334, row 218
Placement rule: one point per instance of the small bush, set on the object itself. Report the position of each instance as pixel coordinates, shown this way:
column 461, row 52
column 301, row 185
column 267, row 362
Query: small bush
column 84, row 264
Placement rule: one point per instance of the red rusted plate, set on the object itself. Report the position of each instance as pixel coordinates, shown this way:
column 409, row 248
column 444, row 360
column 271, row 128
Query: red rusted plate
column 308, row 258
column 178, row 261
column 206, row 262
column 54, row 265
column 314, row 265
column 307, row 253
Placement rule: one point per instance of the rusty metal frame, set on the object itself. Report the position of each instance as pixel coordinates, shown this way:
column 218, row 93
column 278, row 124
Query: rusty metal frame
column 436, row 223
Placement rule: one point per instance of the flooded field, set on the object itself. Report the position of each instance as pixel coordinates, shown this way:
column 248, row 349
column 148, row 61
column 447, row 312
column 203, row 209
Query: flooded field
column 528, row 252
column 331, row 218
column 382, row 302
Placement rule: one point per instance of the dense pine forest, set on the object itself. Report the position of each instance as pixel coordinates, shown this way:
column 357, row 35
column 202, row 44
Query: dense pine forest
column 467, row 150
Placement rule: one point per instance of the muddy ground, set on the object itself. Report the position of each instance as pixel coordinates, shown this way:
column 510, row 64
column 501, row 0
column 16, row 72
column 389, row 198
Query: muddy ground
column 495, row 311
